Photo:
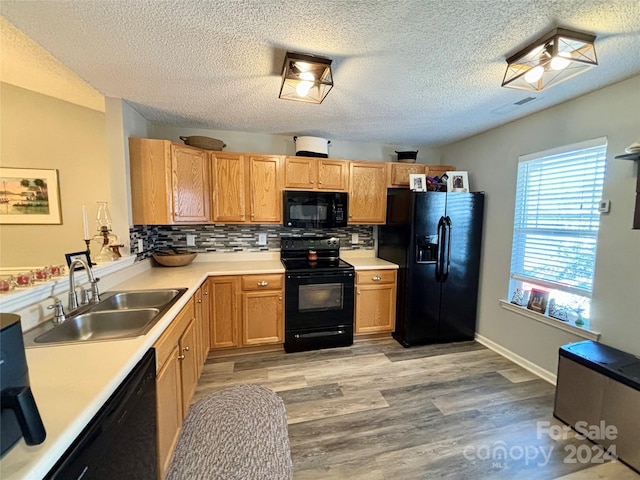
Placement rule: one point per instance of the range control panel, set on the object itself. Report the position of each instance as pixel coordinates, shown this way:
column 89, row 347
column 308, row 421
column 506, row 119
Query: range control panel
column 309, row 243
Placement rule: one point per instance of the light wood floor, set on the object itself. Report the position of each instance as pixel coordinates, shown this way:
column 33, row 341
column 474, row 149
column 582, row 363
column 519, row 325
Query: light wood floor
column 376, row 411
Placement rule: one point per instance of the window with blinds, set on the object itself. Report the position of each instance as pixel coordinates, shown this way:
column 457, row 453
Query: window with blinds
column 556, row 221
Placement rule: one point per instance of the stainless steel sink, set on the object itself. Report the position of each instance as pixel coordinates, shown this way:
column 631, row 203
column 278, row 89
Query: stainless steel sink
column 118, row 315
column 137, row 299
column 101, row 326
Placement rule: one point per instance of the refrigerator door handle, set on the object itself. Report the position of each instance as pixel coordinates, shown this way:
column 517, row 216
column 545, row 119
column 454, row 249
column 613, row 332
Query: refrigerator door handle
column 440, row 252
column 447, row 226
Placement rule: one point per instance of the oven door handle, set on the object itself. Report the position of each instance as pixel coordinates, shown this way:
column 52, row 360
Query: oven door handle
column 326, row 333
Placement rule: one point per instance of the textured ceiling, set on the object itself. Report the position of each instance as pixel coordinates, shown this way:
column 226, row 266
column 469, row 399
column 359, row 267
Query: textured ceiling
column 406, row 72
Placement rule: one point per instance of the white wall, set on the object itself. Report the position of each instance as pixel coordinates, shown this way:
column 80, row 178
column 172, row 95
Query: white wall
column 491, row 159
column 285, row 145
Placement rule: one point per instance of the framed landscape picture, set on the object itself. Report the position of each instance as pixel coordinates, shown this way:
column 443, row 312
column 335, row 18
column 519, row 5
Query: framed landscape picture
column 29, row 196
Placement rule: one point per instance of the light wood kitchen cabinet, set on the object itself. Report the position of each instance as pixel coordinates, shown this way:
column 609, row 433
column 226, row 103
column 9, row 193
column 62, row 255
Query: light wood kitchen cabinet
column 201, row 298
column 368, row 193
column 223, row 311
column 375, row 301
column 169, row 182
column 246, row 310
column 246, row 188
column 176, row 379
column 438, row 170
column 169, row 410
column 262, row 309
column 398, row 173
column 311, row 173
column 189, row 360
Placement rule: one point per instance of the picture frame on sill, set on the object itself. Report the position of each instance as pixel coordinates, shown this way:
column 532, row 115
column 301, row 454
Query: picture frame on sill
column 29, row 196
column 538, row 300
column 418, row 182
column 458, row 181
column 84, row 255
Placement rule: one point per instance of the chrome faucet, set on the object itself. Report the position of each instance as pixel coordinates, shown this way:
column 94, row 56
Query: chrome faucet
column 73, row 297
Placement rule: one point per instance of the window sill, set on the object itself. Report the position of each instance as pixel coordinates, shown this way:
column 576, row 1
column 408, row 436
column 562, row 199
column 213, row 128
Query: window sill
column 20, row 298
column 559, row 324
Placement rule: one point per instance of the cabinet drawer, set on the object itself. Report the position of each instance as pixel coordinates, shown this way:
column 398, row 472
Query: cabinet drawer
column 262, row 282
column 370, row 277
column 169, row 339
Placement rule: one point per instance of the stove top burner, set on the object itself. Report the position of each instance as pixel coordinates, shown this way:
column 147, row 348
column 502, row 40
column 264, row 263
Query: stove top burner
column 320, row 265
column 312, row 254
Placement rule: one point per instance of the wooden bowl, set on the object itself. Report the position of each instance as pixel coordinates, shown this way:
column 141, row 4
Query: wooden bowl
column 174, row 259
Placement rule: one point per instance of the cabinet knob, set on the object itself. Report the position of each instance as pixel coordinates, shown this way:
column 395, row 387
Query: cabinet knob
column 199, row 301
column 358, row 292
column 205, row 293
column 377, row 278
column 280, row 298
column 320, row 183
column 180, row 357
column 312, row 182
column 186, row 349
column 263, row 283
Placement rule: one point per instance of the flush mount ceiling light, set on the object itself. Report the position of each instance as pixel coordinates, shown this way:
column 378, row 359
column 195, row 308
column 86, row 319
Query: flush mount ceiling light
column 306, row 78
column 551, row 59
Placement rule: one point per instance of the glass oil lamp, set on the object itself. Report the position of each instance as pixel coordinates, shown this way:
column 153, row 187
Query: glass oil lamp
column 104, row 237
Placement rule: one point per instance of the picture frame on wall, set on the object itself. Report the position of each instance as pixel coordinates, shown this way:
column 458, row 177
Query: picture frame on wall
column 538, row 300
column 29, row 196
column 418, row 182
column 458, row 181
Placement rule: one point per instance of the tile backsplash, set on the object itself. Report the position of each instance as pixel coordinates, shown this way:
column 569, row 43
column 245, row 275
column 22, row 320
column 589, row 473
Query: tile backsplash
column 235, row 238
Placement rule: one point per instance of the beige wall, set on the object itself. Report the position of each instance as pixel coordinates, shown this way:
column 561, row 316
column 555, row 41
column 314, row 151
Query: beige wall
column 491, row 159
column 285, row 145
column 38, row 131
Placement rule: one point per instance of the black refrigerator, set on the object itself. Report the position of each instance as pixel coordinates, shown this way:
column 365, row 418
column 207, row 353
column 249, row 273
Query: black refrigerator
column 435, row 238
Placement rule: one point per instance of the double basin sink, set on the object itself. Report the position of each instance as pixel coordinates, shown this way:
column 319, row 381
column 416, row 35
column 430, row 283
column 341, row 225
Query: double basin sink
column 118, row 315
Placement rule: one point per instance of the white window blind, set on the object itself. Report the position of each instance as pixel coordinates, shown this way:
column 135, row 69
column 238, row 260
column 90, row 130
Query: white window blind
column 556, row 220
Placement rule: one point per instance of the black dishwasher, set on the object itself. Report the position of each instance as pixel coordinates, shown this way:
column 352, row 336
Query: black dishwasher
column 120, row 441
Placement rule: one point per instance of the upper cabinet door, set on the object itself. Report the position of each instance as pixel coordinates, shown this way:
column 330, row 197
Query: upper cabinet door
column 265, row 189
column 438, row 170
column 398, row 173
column 368, row 193
column 300, row 172
column 189, row 184
column 228, row 179
column 333, row 175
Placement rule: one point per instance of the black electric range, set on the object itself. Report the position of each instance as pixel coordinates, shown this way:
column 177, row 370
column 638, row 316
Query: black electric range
column 319, row 294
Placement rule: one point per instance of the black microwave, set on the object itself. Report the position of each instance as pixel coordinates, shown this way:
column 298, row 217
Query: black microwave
column 305, row 209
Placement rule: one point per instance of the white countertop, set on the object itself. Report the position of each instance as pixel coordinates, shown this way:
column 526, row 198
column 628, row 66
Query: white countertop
column 71, row 382
column 365, row 260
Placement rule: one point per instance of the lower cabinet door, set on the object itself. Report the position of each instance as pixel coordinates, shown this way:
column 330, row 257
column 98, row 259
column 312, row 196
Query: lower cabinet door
column 223, row 315
column 169, row 409
column 188, row 366
column 262, row 317
column 375, row 308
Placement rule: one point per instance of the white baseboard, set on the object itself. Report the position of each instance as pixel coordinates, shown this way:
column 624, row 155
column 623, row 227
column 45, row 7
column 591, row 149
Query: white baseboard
column 523, row 362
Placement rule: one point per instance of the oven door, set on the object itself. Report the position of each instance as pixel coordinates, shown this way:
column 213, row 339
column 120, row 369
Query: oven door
column 318, row 310
column 319, row 300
